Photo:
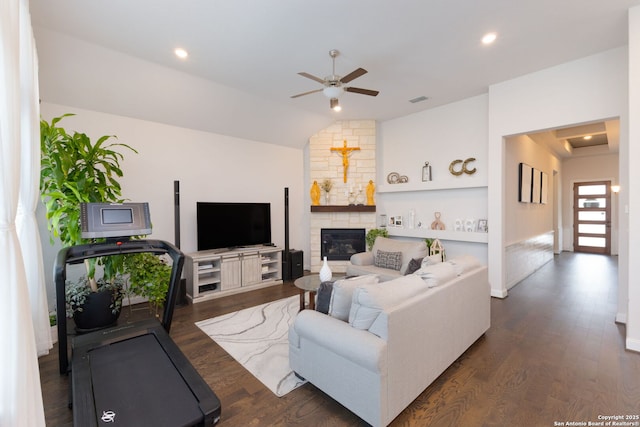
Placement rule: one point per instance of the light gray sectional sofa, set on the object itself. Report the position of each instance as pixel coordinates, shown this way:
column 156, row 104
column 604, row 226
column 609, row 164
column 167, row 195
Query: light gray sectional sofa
column 399, row 336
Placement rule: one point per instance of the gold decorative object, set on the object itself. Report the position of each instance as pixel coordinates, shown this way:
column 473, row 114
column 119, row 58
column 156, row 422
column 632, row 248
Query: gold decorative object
column 315, row 194
column 370, row 191
column 463, row 169
column 437, row 224
column 346, row 152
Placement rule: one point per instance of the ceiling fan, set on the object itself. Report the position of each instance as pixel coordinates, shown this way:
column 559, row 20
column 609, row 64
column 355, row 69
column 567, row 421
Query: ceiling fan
column 334, row 85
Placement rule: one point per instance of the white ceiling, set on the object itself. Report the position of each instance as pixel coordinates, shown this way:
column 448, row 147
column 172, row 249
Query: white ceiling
column 410, row 48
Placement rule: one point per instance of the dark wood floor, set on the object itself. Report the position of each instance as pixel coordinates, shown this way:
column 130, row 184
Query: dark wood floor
column 553, row 355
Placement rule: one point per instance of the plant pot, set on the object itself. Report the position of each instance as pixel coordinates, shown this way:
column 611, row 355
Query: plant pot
column 96, row 312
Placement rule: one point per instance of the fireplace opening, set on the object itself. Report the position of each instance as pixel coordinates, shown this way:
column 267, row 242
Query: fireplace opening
column 338, row 244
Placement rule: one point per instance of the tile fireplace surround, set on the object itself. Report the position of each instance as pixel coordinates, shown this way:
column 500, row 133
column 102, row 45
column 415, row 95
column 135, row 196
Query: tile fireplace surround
column 325, row 164
column 335, row 220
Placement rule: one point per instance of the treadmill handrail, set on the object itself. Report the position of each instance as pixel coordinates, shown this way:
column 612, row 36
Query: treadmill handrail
column 77, row 254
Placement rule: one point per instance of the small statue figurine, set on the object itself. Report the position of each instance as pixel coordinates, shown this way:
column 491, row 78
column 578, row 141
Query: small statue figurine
column 370, row 191
column 315, row 194
column 437, row 224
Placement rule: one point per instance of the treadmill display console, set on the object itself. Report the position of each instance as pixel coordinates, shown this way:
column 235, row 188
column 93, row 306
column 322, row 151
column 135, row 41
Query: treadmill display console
column 114, row 219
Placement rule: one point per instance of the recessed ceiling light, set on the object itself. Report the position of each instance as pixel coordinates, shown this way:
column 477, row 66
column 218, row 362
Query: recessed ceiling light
column 588, row 137
column 181, row 53
column 489, row 38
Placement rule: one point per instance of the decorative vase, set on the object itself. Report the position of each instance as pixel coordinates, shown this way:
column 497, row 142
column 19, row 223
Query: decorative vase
column 325, row 271
column 327, row 198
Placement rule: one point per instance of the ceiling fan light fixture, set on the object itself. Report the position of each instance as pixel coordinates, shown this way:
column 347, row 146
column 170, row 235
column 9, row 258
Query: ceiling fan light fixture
column 332, row 91
column 335, row 104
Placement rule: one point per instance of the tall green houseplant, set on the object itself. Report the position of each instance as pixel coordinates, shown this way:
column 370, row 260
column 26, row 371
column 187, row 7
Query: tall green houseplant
column 75, row 170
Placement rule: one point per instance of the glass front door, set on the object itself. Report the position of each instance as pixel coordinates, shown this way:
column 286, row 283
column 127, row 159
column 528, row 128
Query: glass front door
column 592, row 217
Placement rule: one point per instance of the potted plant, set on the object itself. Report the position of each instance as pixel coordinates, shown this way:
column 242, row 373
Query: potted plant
column 372, row 234
column 75, row 170
column 149, row 277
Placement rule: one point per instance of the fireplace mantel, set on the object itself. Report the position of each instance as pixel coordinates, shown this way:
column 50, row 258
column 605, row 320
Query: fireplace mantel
column 343, row 208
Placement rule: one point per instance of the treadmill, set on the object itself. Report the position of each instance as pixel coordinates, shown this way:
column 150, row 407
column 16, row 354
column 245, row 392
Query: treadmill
column 131, row 374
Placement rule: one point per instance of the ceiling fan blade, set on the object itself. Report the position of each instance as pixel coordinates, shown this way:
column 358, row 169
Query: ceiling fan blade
column 353, row 75
column 362, row 91
column 312, row 77
column 307, row 93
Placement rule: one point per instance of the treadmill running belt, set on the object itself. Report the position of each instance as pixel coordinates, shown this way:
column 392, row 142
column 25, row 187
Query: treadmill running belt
column 136, row 384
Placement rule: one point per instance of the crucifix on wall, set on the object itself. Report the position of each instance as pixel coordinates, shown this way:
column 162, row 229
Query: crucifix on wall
column 346, row 152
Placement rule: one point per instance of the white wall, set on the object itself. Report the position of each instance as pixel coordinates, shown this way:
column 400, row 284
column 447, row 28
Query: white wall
column 439, row 136
column 581, row 91
column 630, row 196
column 526, row 220
column 210, row 167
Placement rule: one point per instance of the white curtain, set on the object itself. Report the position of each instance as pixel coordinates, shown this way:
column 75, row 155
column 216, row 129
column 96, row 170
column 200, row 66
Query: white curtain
column 20, row 391
column 30, row 182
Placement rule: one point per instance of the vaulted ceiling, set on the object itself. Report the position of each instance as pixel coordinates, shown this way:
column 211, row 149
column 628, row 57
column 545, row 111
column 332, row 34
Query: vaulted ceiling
column 248, row 53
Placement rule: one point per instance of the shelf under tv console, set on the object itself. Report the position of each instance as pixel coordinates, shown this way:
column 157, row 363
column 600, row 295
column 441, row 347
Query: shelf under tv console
column 217, row 273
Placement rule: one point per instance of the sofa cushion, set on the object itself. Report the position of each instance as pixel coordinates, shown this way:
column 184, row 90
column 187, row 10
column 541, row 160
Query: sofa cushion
column 392, row 260
column 369, row 300
column 414, row 265
column 464, row 263
column 340, row 303
column 409, row 249
column 384, row 274
column 437, row 274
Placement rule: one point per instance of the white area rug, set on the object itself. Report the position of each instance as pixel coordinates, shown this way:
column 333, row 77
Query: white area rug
column 257, row 338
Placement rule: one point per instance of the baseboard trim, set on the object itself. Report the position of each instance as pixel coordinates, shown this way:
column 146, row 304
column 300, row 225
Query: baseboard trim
column 499, row 293
column 633, row 345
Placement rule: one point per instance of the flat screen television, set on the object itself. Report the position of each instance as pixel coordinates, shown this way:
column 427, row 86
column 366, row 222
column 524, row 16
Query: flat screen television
column 232, row 225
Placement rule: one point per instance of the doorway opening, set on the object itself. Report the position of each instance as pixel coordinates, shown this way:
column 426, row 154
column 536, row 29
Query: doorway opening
column 592, row 217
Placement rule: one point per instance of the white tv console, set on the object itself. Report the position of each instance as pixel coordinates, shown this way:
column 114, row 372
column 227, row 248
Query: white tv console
column 217, row 273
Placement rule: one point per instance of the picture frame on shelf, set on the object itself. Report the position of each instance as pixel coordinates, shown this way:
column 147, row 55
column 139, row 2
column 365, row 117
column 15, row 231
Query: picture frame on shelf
column 395, row 221
column 482, row 226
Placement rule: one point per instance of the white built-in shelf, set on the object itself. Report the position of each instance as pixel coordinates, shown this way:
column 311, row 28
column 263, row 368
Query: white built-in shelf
column 449, row 184
column 423, row 233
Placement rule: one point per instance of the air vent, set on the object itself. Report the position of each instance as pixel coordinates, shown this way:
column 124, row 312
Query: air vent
column 418, row 99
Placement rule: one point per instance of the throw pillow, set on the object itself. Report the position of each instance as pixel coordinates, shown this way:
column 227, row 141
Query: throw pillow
column 340, row 303
column 323, row 297
column 391, row 260
column 431, row 260
column 437, row 274
column 414, row 265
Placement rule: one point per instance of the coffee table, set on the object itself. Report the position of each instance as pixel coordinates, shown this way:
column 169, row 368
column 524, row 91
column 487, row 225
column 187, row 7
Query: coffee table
column 309, row 283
